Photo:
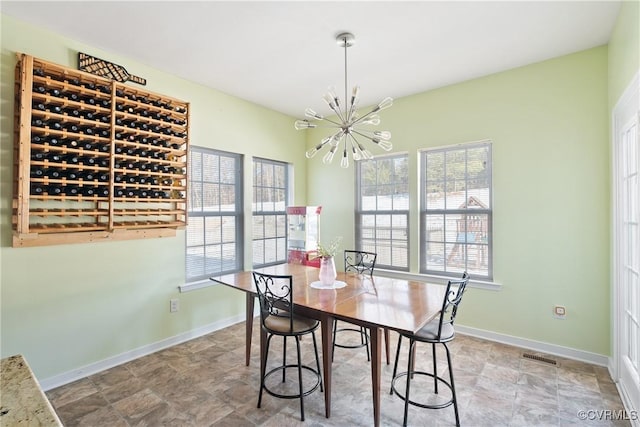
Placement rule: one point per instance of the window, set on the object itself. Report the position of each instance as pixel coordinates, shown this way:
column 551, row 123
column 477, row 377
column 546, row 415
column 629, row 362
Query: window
column 270, row 199
column 382, row 210
column 214, row 230
column 455, row 225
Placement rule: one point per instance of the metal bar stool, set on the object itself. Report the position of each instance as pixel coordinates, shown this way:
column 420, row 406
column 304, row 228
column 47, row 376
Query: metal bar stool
column 360, row 262
column 438, row 331
column 275, row 293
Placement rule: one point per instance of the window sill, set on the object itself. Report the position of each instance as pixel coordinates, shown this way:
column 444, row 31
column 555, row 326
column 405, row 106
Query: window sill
column 478, row 284
column 200, row 284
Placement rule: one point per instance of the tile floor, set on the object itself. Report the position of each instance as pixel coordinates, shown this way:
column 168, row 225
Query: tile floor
column 204, row 382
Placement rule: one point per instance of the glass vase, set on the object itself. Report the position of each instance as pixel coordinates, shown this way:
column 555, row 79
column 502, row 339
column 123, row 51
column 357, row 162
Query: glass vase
column 327, row 271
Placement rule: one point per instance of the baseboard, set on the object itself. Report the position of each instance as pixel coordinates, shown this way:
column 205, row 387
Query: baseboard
column 631, row 411
column 93, row 368
column 557, row 350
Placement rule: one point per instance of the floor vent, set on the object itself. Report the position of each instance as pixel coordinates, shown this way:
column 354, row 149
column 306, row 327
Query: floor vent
column 539, row 358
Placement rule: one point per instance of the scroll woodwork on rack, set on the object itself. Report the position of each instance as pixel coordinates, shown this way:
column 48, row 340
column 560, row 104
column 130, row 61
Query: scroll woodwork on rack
column 95, row 160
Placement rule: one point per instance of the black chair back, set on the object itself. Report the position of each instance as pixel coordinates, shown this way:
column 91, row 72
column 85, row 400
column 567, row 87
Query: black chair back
column 360, row 262
column 452, row 299
column 275, row 294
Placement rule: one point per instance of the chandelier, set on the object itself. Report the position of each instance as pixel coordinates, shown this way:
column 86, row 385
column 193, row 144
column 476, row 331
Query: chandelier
column 350, row 127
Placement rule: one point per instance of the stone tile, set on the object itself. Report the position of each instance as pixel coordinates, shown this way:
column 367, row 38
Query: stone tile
column 204, row 382
column 111, row 377
column 502, row 373
column 73, row 412
column 139, row 404
column 71, row 392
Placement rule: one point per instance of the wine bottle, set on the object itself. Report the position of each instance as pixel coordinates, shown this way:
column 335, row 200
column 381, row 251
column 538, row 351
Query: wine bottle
column 72, row 127
column 87, row 176
column 70, row 143
column 72, row 159
column 37, row 189
column 102, row 191
column 39, row 106
column 87, row 191
column 55, row 92
column 39, row 156
column 72, row 175
column 90, row 161
column 54, row 157
column 71, row 190
column 119, row 192
column 73, row 112
column 37, row 139
column 53, row 190
column 143, row 193
column 72, row 96
column 38, row 72
column 53, row 173
column 88, row 100
column 37, row 172
column 103, row 177
column 40, row 89
column 104, row 88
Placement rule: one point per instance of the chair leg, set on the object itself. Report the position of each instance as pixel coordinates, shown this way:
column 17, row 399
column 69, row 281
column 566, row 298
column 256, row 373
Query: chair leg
column 412, row 345
column 300, row 379
column 284, row 358
column 395, row 364
column 453, row 387
column 315, row 349
column 333, row 341
column 435, row 369
column 364, row 340
column 387, row 344
column 263, row 370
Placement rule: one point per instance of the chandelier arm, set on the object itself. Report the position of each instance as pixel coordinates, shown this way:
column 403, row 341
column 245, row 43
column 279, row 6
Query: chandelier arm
column 363, row 134
column 375, row 110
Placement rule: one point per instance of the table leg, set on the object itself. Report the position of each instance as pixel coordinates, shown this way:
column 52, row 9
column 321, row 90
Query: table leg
column 376, row 360
column 326, row 324
column 250, row 299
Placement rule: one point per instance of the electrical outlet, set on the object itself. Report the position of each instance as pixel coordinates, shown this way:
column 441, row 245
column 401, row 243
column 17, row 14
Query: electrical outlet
column 174, row 305
column 559, row 311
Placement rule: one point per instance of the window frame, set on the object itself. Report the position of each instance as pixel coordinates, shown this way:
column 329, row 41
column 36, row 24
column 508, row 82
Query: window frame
column 266, row 213
column 424, row 212
column 360, row 212
column 237, row 214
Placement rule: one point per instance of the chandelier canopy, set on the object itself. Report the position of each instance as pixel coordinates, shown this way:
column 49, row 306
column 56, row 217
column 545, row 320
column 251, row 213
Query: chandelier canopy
column 350, row 127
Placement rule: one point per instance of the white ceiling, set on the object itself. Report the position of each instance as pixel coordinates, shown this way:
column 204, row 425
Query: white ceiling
column 283, row 55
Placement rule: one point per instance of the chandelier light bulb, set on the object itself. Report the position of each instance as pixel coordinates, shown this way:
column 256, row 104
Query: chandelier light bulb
column 385, row 145
column 303, row 124
column 344, row 163
column 383, row 134
column 312, row 114
column 373, row 119
column 328, row 158
column 385, row 103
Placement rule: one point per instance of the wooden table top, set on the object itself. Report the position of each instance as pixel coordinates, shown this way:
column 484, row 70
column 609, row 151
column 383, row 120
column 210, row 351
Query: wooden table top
column 397, row 304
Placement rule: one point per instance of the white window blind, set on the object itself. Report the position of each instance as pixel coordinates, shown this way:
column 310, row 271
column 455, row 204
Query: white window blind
column 270, row 199
column 214, row 230
column 456, row 211
column 382, row 210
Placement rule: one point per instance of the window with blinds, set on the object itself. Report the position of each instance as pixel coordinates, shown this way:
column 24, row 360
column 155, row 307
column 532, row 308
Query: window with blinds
column 456, row 211
column 270, row 200
column 382, row 210
column 214, row 230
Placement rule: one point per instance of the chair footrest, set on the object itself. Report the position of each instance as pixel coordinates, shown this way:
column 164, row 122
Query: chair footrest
column 423, row 405
column 295, row 367
column 364, row 334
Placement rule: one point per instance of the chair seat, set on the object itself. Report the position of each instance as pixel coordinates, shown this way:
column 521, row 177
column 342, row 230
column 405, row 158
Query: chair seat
column 281, row 324
column 429, row 332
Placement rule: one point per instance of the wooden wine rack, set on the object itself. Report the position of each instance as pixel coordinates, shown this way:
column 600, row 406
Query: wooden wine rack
column 95, row 160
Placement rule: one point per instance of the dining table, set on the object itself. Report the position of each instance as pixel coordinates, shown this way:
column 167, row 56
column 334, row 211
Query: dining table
column 375, row 302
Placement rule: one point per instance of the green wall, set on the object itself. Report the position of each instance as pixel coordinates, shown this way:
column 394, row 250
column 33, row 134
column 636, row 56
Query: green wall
column 68, row 306
column 549, row 126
